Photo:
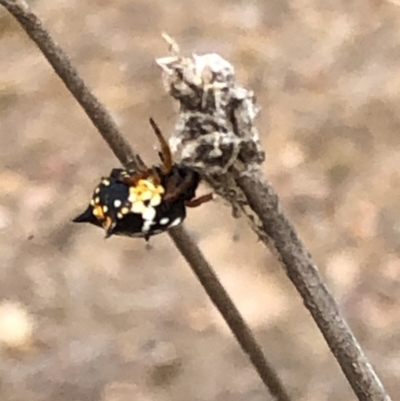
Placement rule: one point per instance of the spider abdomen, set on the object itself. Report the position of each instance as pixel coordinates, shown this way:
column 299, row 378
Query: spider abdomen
column 141, row 205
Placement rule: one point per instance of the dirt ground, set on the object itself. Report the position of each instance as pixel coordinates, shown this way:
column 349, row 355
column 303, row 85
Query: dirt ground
column 85, row 319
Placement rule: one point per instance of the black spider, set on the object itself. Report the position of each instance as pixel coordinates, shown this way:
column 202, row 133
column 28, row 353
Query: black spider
column 144, row 203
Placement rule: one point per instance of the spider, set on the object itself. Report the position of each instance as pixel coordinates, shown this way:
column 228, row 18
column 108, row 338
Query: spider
column 144, row 203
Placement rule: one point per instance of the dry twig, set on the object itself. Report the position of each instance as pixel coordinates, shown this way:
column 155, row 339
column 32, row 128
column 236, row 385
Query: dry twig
column 215, row 135
column 124, row 152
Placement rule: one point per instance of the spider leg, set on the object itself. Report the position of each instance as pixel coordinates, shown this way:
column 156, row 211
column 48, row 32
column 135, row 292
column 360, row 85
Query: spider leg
column 173, row 191
column 200, row 200
column 165, row 154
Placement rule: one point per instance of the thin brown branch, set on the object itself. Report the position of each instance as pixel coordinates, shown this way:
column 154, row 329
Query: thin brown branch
column 305, row 276
column 220, row 298
column 124, row 152
column 215, row 134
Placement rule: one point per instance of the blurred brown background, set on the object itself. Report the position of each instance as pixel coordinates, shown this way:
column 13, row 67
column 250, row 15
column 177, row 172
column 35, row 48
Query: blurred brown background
column 82, row 318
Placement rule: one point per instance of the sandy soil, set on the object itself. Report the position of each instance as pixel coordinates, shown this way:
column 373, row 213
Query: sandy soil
column 86, row 319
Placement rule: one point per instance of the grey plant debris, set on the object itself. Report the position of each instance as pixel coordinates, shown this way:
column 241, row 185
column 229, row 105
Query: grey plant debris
column 215, row 131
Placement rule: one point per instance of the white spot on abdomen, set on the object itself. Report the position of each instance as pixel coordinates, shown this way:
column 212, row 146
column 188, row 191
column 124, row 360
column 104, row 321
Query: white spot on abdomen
column 147, row 225
column 176, row 222
column 149, row 213
column 164, row 221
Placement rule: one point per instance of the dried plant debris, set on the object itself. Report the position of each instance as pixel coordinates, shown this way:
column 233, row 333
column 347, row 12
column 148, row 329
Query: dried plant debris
column 215, row 133
column 215, row 130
